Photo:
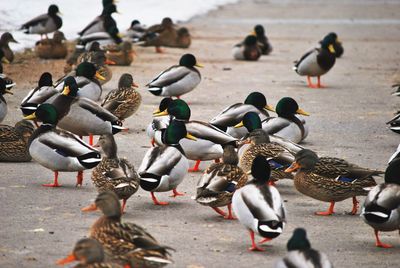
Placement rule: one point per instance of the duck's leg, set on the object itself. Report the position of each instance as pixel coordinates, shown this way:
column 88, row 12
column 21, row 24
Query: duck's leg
column 378, row 242
column 175, row 193
column 319, row 85
column 219, row 211
column 153, row 141
column 230, row 214
column 309, row 82
column 79, row 179
column 90, row 139
column 55, row 184
column 265, row 240
column 196, row 167
column 156, row 202
column 328, row 212
column 355, row 206
column 123, row 206
column 159, row 50
column 253, row 243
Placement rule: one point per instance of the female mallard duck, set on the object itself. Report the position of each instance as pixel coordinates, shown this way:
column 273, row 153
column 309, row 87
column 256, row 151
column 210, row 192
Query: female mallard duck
column 44, row 24
column 301, row 254
column 54, row 48
column 330, row 180
column 178, row 79
column 168, row 37
column 125, row 100
column 152, row 35
column 262, row 40
column 247, row 50
column 381, row 209
column 317, row 62
column 337, row 45
column 209, row 139
column 122, row 54
column 90, row 254
column 38, row 95
column 5, row 39
column 114, row 173
column 59, row 150
column 233, row 115
column 258, row 206
column 220, row 180
column 3, row 103
column 164, row 167
column 287, row 125
column 126, row 242
column 9, row 82
column 159, row 122
column 14, row 142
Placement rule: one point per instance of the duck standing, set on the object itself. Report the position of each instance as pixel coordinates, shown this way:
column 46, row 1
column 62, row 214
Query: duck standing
column 337, row 45
column 178, row 79
column 14, row 142
column 258, row 206
column 5, row 39
column 159, row 122
column 44, row 24
column 381, row 209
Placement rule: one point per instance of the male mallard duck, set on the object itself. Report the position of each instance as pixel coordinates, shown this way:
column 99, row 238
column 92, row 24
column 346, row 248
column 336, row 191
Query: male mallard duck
column 262, row 40
column 247, row 50
column 330, row 180
column 90, row 254
column 14, row 142
column 220, row 180
column 209, row 139
column 164, row 167
column 5, row 39
column 301, row 254
column 159, row 122
column 337, row 45
column 233, row 115
column 381, row 209
column 59, row 150
column 126, row 242
column 44, row 24
column 97, row 25
column 178, row 79
column 39, row 94
column 317, row 62
column 3, row 103
column 258, row 206
column 125, row 100
column 54, row 48
column 135, row 31
column 287, row 125
column 122, row 54
column 114, row 173
column 9, row 82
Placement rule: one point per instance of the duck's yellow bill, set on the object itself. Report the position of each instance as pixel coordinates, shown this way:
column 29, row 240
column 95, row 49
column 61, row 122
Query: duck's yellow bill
column 331, row 48
column 269, row 108
column 99, row 76
column 253, row 33
column 70, row 258
column 9, row 92
column 120, row 35
column 66, row 91
column 239, row 125
column 4, row 60
column 30, row 117
column 165, row 112
column 199, row 65
column 293, row 167
column 302, row 112
column 190, row 137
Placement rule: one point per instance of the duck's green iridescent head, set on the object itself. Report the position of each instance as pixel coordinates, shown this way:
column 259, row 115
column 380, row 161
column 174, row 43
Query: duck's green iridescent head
column 288, row 107
column 392, row 173
column 175, row 132
column 46, row 113
column 109, row 9
column 70, row 87
column 46, row 80
column 258, row 100
column 53, row 10
column 251, row 121
column 86, row 69
column 328, row 42
column 259, row 30
column 250, row 40
column 299, row 240
column 179, row 109
column 189, row 60
column 260, row 169
column 162, row 107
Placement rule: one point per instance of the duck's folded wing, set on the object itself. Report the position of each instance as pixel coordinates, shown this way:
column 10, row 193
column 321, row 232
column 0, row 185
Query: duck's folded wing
column 82, row 81
column 90, row 25
column 39, row 19
column 305, row 56
column 209, row 132
column 169, row 76
column 274, row 126
column 96, row 109
column 161, row 160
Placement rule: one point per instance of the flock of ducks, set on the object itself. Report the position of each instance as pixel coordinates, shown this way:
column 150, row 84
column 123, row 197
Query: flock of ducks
column 252, row 150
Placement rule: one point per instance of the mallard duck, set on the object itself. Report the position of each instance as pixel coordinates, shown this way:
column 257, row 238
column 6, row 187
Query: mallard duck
column 300, row 254
column 178, row 79
column 122, row 54
column 337, row 45
column 126, row 242
column 9, row 82
column 5, row 39
column 125, row 100
column 54, row 48
column 287, row 125
column 152, row 35
column 247, row 50
column 262, row 40
column 219, row 181
column 317, row 62
column 44, row 24
column 164, row 167
column 135, row 31
column 258, row 143
column 168, row 37
column 114, row 173
column 381, row 209
column 90, row 254
column 59, row 150
column 83, row 116
column 330, row 180
column 395, row 123
column 3, row 103
column 97, row 25
column 159, row 122
column 209, row 139
column 39, row 94
column 233, row 115
column 258, row 206
column 14, row 142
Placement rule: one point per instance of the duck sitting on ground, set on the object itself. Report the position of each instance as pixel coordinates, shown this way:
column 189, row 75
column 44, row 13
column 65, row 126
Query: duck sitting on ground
column 219, row 181
column 247, row 50
column 330, row 180
column 3, row 102
column 258, row 206
column 121, row 54
column 262, row 40
column 14, row 142
column 301, row 255
column 5, row 39
column 125, row 241
column 54, row 48
column 381, row 209
column 135, row 31
column 169, row 37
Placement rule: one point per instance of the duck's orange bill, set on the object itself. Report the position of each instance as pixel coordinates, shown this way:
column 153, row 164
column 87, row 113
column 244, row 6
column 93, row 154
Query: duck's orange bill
column 135, row 85
column 110, row 62
column 293, row 167
column 70, row 258
column 89, row 208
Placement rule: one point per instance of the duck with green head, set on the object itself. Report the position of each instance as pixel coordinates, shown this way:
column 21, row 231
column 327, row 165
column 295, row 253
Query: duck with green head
column 247, row 50
column 337, row 44
column 45, row 23
column 59, row 150
column 262, row 40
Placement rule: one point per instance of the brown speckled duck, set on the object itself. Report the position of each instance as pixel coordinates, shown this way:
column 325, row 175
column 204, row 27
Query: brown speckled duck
column 14, row 142
column 121, row 54
column 5, row 39
column 54, row 48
